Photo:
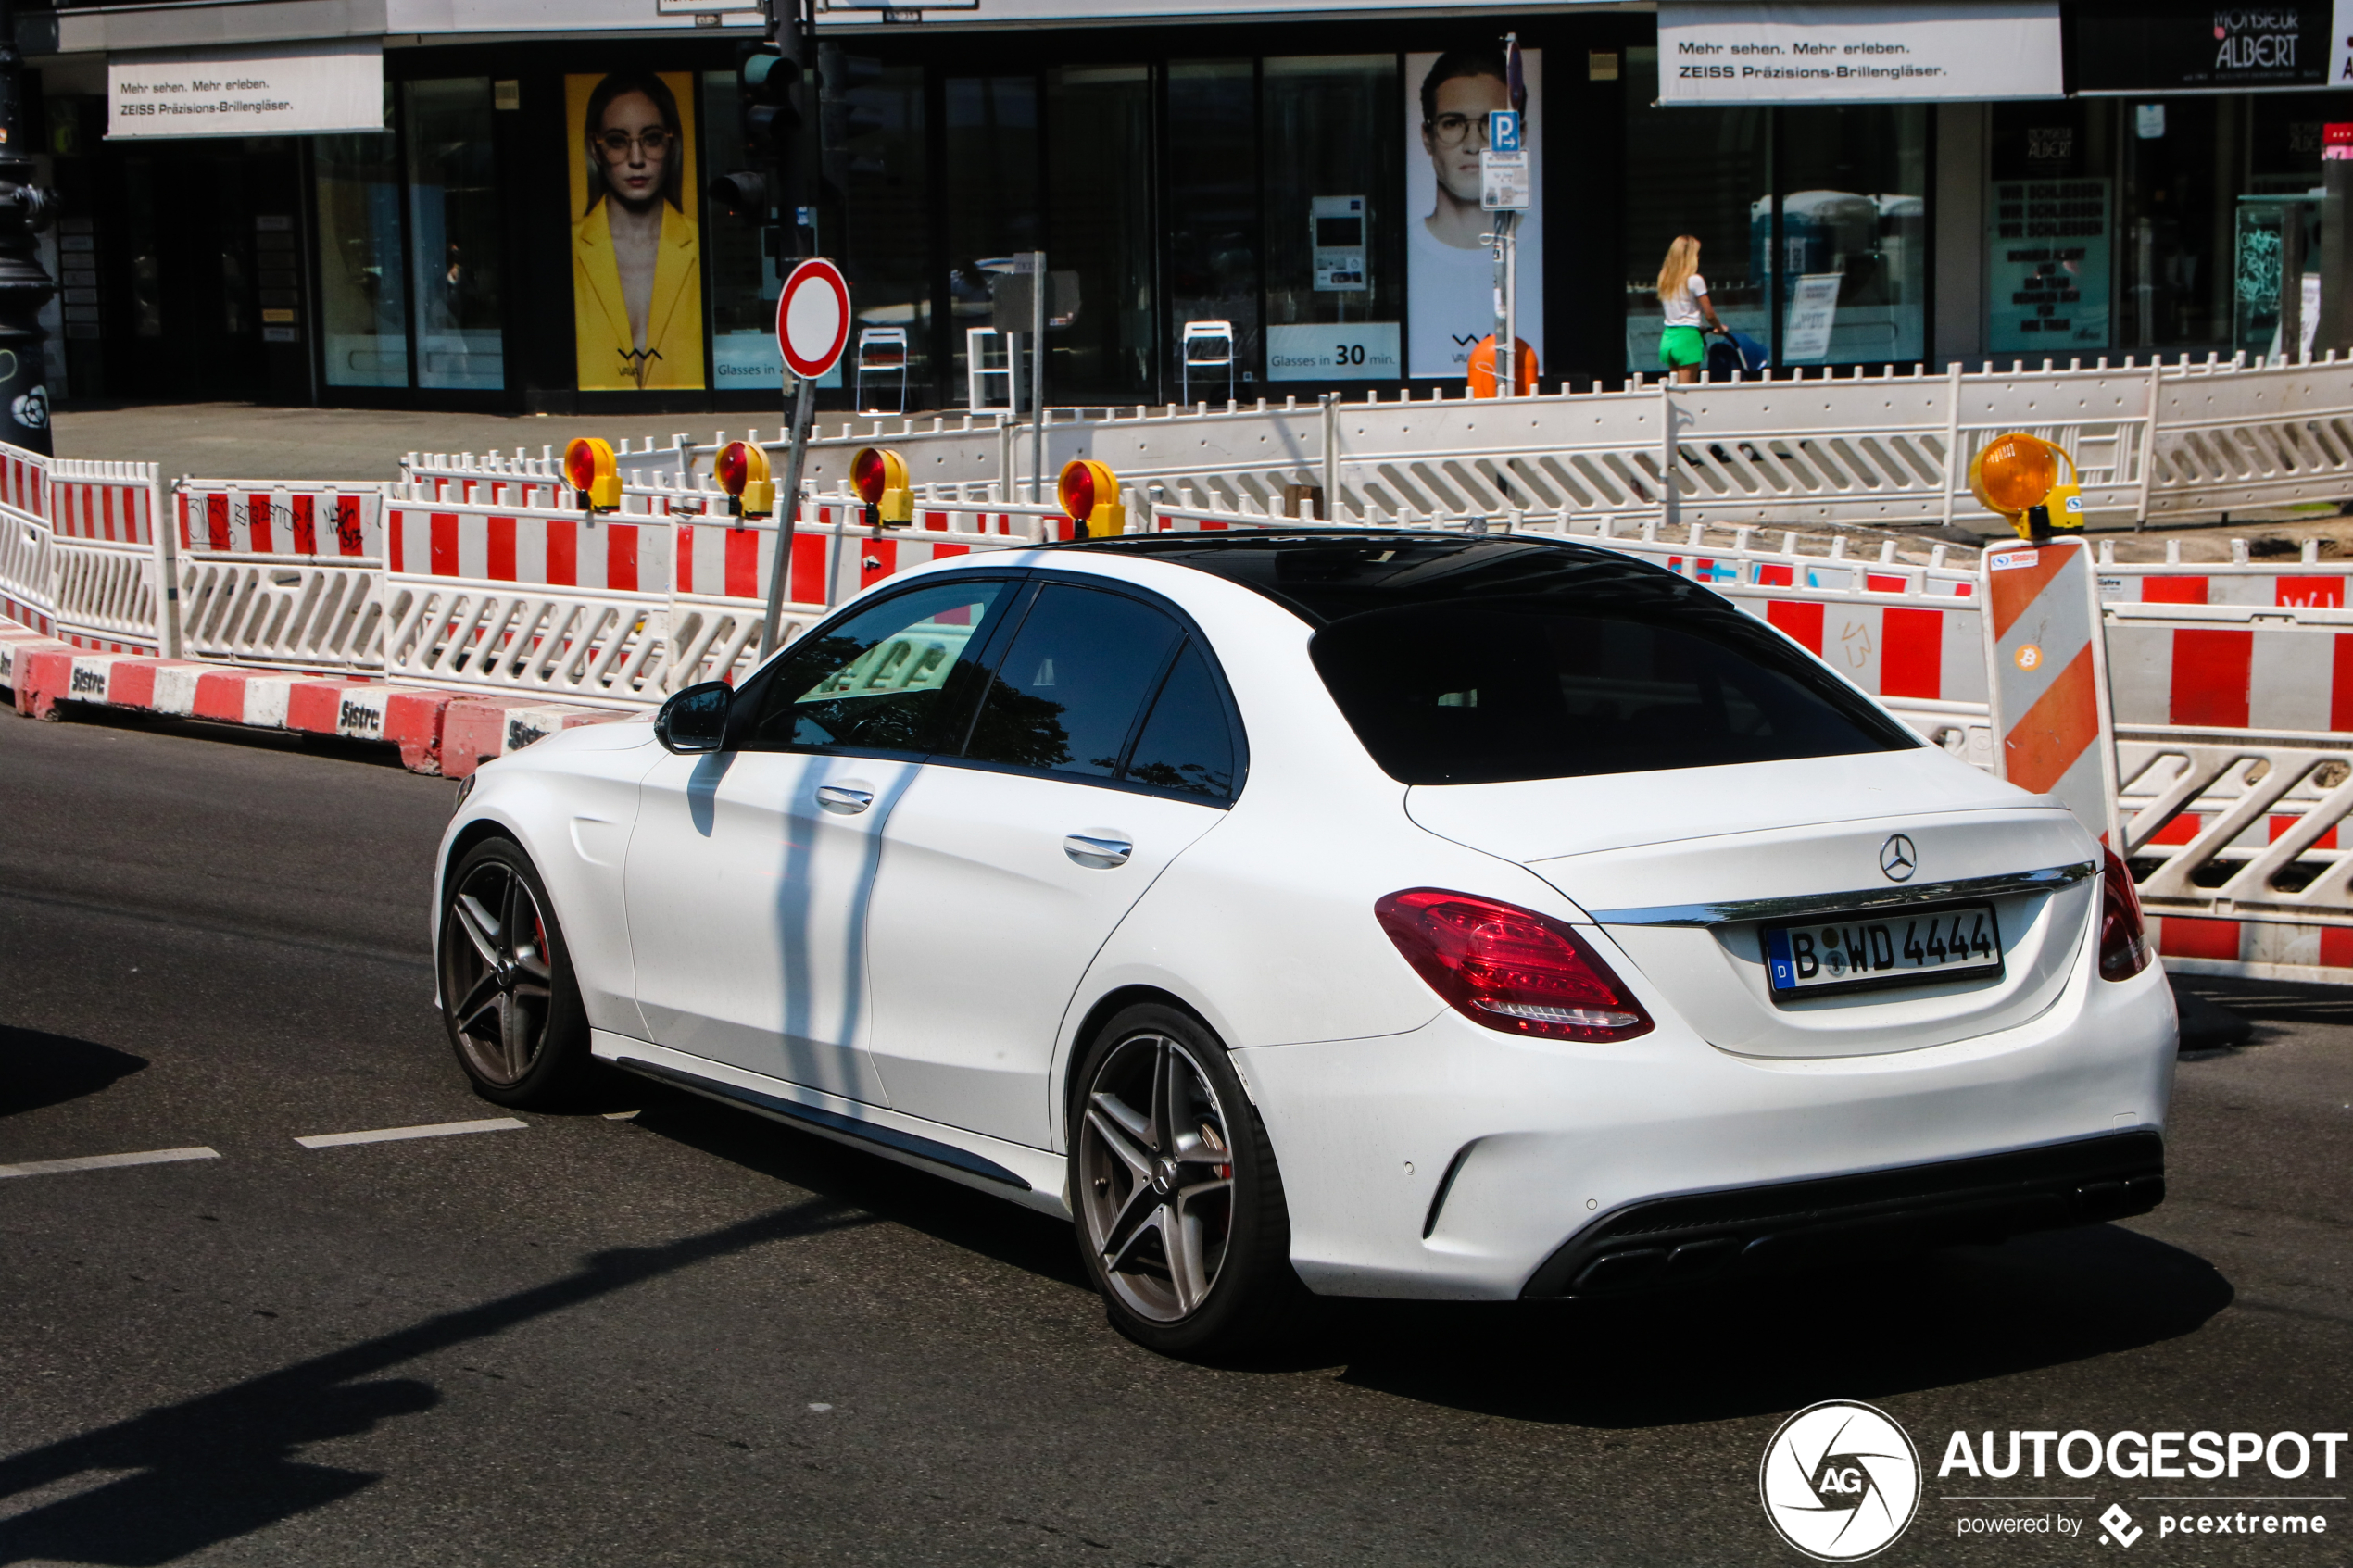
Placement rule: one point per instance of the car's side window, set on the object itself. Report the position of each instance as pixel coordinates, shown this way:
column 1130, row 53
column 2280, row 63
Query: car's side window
column 1067, row 694
column 883, row 679
column 1186, row 744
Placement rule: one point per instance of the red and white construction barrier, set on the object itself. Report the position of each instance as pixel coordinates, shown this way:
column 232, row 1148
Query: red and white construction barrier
column 436, row 732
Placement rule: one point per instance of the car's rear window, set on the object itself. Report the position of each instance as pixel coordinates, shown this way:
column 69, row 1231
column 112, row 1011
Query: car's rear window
column 1495, row 689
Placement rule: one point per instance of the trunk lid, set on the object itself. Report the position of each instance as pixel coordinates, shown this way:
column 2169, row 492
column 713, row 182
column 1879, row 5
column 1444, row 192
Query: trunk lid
column 1686, row 870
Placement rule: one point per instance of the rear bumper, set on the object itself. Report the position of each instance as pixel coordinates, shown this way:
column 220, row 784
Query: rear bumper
column 1665, row 1243
column 1455, row 1163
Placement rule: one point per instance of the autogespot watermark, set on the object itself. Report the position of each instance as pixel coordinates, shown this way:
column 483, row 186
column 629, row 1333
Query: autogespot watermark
column 1841, row 1480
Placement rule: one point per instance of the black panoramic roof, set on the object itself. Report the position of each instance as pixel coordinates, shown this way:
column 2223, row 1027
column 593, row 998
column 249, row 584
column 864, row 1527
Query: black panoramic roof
column 1325, row 575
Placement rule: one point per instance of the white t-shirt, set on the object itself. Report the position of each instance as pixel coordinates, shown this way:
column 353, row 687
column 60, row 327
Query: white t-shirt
column 1682, row 306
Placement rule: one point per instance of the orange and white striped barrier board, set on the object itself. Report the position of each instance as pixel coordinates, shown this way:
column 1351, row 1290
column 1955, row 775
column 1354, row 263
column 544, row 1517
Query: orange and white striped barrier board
column 2046, row 678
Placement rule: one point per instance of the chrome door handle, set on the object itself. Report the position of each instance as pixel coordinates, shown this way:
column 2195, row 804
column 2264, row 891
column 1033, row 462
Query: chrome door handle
column 1100, row 853
column 844, row 798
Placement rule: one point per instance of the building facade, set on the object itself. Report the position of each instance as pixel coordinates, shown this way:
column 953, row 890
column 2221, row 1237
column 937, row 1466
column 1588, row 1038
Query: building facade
column 514, row 216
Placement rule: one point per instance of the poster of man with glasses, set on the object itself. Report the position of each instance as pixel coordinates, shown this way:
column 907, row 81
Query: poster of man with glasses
column 636, row 251
column 1449, row 270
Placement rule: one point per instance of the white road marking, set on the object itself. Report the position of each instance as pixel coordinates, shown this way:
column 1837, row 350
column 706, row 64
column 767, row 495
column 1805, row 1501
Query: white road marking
column 106, row 1162
column 391, row 1135
column 620, row 1115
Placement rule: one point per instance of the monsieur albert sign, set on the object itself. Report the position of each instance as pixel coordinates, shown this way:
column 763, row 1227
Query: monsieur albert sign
column 1747, row 52
column 255, row 90
column 2167, row 45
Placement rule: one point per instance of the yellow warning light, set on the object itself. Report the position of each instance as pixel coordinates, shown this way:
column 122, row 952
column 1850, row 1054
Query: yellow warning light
column 588, row 463
column 1089, row 494
column 2018, row 473
column 879, row 475
column 742, row 469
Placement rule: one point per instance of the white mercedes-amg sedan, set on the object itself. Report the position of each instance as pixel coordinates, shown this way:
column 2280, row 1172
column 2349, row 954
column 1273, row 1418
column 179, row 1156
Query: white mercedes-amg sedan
column 1333, row 913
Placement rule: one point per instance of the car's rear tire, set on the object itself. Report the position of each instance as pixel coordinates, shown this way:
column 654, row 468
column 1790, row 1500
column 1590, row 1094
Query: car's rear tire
column 508, row 995
column 1181, row 1219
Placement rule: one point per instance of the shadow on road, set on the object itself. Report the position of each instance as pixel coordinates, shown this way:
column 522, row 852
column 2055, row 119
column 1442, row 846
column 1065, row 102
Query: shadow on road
column 1957, row 1316
column 1952, row 1317
column 924, row 1203
column 221, row 1465
column 2270, row 1001
column 38, row 1068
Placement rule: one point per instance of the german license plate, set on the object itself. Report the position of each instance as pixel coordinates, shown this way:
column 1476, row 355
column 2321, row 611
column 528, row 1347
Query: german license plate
column 1857, row 952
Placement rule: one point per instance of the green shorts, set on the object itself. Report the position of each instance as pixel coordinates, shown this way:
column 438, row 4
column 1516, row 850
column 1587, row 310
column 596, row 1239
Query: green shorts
column 1683, row 346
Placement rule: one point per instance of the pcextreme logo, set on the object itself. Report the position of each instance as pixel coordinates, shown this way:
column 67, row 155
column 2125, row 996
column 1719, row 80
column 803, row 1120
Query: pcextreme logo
column 1840, row 1481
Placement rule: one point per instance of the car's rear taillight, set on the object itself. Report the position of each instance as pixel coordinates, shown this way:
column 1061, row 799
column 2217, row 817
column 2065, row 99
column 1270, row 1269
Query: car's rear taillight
column 2124, row 944
column 1510, row 968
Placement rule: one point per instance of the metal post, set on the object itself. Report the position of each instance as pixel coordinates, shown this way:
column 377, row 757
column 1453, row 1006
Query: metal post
column 1331, row 456
column 1669, row 508
column 2148, row 436
column 1037, row 375
column 167, row 548
column 1508, row 324
column 1953, row 470
column 25, row 208
column 804, row 409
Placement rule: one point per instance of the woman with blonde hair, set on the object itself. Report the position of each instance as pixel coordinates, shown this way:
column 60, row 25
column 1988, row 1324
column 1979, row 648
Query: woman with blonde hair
column 1682, row 295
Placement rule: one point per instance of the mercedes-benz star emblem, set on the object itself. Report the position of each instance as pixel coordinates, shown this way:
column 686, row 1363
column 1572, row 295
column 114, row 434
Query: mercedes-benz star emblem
column 1897, row 858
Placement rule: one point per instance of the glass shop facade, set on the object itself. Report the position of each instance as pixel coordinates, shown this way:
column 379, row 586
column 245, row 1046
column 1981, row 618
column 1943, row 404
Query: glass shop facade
column 1300, row 183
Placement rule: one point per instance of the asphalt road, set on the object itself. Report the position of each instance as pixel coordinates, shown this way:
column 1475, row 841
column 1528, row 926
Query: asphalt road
column 696, row 1337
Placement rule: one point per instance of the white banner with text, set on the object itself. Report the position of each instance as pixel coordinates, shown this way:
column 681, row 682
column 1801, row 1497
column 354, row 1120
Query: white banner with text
column 255, row 90
column 1746, row 52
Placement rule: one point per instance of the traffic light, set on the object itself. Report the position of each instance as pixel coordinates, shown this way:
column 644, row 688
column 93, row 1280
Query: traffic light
column 742, row 196
column 766, row 79
column 880, row 476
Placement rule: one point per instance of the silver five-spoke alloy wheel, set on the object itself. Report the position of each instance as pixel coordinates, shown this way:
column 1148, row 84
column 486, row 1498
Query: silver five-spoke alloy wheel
column 1156, row 1176
column 495, row 973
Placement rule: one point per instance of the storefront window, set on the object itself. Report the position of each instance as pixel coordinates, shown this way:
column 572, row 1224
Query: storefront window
column 989, row 182
column 875, row 165
column 2183, row 169
column 363, row 301
column 1102, row 228
column 1699, row 172
column 743, row 276
column 1854, row 227
column 2050, row 226
column 1213, row 203
column 1812, row 223
column 454, row 239
column 1331, row 150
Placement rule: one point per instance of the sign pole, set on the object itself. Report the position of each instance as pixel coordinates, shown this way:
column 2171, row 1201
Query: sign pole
column 812, row 328
column 804, row 405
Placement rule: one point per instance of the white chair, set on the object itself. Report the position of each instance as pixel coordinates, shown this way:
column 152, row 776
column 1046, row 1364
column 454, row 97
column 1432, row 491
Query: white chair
column 882, row 351
column 1207, row 345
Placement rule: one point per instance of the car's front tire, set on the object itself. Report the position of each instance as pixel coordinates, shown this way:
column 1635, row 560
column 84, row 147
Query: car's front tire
column 1181, row 1219
column 508, row 996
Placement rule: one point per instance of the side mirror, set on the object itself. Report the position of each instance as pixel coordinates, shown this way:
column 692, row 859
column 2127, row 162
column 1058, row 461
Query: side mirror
column 695, row 718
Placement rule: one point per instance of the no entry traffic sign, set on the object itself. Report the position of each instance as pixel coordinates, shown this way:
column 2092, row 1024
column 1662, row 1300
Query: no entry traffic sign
column 812, row 318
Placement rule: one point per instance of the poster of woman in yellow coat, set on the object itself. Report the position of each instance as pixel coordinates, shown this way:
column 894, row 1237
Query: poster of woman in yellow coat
column 636, row 251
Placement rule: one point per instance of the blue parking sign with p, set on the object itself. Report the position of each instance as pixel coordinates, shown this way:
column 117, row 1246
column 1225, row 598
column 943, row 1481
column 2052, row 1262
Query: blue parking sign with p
column 1502, row 130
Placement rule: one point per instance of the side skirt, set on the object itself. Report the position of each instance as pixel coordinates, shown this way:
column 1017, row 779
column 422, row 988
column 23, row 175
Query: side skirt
column 1036, row 1185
